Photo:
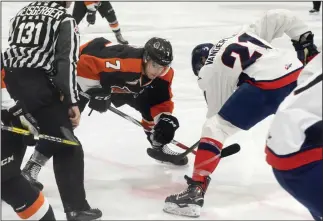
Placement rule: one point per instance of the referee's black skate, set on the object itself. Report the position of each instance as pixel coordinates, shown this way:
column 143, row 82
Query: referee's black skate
column 314, row 11
column 87, row 215
column 190, row 201
column 30, row 172
column 163, row 154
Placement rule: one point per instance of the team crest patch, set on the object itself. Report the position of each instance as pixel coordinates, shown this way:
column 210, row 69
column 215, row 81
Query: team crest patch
column 120, row 90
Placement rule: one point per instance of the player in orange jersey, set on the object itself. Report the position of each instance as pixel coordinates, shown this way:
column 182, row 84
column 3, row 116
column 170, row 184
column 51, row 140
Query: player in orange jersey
column 122, row 74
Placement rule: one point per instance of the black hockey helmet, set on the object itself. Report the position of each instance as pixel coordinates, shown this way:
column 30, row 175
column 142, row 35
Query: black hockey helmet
column 159, row 50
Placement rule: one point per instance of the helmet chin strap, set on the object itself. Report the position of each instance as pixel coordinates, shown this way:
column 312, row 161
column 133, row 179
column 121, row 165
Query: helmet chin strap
column 144, row 80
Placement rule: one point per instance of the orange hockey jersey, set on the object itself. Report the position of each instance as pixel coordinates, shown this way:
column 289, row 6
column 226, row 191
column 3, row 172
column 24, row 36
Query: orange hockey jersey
column 119, row 68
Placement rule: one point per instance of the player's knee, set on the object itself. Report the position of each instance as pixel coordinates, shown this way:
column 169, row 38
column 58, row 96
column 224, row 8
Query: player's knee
column 27, row 202
column 107, row 11
column 218, row 128
column 34, row 209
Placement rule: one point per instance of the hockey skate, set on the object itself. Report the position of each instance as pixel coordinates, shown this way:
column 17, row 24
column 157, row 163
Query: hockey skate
column 87, row 215
column 190, row 201
column 163, row 154
column 30, row 172
column 314, row 12
column 120, row 38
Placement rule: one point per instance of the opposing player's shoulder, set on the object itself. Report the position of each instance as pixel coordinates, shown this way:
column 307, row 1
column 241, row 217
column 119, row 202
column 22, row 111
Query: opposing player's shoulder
column 218, row 48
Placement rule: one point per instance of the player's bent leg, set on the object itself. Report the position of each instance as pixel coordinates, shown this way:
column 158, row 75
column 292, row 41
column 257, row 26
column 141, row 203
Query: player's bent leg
column 79, row 11
column 106, row 10
column 37, row 160
column 27, row 202
column 249, row 104
column 190, row 201
column 305, row 184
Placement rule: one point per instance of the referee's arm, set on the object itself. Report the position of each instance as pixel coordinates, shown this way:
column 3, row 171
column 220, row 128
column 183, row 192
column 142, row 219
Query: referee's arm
column 66, row 57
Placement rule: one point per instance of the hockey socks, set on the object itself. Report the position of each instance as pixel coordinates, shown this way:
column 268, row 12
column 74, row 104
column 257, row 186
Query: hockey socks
column 207, row 158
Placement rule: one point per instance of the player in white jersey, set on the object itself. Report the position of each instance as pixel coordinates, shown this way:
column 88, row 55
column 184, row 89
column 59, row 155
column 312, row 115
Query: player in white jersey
column 295, row 142
column 244, row 79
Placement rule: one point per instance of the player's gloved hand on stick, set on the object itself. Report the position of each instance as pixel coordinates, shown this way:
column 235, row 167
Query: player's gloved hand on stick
column 100, row 99
column 164, row 130
column 26, row 119
column 305, row 47
column 91, row 17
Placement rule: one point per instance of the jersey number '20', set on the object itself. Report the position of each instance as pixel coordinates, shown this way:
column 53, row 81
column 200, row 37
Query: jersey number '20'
column 29, row 32
column 245, row 58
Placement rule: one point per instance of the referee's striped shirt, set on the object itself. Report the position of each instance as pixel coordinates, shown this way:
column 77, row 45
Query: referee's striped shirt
column 43, row 35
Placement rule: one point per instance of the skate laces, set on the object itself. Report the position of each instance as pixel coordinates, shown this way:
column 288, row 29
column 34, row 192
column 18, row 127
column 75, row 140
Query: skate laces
column 165, row 149
column 33, row 171
column 181, row 193
column 191, row 186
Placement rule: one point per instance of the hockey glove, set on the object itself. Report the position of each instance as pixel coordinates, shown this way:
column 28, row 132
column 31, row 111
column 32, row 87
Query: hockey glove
column 150, row 138
column 91, row 17
column 27, row 121
column 305, row 48
column 164, row 131
column 100, row 99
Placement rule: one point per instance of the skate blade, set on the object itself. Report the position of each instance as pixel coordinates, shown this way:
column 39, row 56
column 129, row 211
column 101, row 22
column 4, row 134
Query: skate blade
column 190, row 210
column 167, row 163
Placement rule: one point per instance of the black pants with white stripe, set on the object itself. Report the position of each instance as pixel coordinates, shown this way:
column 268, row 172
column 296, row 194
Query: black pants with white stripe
column 42, row 100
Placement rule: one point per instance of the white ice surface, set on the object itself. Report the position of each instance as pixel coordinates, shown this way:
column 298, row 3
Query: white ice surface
column 120, row 178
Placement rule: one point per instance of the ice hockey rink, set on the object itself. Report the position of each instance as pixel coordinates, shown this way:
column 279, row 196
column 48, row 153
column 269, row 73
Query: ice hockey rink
column 120, row 178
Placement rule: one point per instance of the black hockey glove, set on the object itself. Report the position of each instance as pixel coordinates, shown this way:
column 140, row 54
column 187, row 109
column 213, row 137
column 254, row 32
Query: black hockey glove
column 164, row 130
column 100, row 99
column 305, row 48
column 91, row 17
column 27, row 121
column 150, row 138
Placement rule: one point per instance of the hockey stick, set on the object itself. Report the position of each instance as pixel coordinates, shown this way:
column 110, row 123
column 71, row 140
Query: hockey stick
column 227, row 151
column 41, row 136
column 133, row 120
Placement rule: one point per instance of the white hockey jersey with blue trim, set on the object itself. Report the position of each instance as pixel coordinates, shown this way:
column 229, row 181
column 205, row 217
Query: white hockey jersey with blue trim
column 249, row 56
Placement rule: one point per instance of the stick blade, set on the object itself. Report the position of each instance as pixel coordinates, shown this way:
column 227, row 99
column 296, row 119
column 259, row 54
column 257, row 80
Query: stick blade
column 230, row 150
column 69, row 135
